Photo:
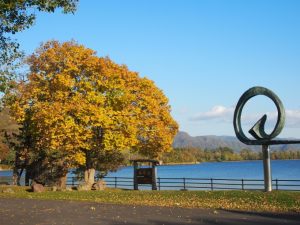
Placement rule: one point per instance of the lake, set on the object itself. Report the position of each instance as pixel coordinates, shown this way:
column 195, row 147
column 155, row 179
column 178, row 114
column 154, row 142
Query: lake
column 209, row 173
column 281, row 169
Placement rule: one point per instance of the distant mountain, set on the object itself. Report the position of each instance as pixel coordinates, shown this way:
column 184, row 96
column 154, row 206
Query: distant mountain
column 210, row 142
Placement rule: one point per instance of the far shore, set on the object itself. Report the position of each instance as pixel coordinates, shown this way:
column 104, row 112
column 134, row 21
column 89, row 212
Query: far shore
column 182, row 163
column 4, row 167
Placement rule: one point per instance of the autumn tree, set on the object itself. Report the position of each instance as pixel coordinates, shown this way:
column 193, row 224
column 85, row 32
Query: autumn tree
column 83, row 108
column 7, row 127
column 16, row 16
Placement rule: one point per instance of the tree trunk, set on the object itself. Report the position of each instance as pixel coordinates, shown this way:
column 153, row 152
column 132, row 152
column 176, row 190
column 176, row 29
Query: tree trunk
column 89, row 176
column 19, row 177
column 89, row 173
column 62, row 182
column 15, row 176
column 27, row 176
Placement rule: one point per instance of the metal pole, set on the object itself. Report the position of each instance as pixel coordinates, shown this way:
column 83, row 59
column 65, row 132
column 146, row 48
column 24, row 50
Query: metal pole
column 242, row 184
column 135, row 182
column 158, row 183
column 267, row 168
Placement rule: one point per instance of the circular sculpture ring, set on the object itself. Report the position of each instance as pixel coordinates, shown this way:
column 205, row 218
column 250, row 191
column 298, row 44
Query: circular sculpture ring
column 258, row 130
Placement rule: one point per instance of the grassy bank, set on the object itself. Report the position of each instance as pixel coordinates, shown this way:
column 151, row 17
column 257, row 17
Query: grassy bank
column 277, row 201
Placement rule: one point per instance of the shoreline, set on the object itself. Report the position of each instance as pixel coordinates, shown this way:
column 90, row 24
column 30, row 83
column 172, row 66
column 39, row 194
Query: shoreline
column 248, row 160
column 181, row 163
column 6, row 168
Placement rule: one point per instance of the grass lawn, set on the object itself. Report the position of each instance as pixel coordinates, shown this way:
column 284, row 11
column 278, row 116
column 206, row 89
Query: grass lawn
column 276, row 201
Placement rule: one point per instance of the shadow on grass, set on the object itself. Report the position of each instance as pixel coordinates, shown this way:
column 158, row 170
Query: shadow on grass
column 29, row 190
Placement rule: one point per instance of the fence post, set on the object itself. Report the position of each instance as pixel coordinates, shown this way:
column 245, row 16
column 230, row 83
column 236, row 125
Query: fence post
column 242, row 184
column 184, row 184
column 276, row 184
column 116, row 182
column 158, row 183
column 211, row 184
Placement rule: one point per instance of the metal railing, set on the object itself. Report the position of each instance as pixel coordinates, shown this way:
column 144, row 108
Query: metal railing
column 4, row 180
column 189, row 183
column 114, row 182
column 206, row 184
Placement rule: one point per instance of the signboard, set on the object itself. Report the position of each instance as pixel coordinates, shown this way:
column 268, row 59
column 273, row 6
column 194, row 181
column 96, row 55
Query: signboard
column 144, row 175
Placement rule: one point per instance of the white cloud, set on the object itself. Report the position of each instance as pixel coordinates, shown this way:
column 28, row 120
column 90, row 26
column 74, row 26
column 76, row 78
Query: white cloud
column 292, row 118
column 218, row 112
column 225, row 114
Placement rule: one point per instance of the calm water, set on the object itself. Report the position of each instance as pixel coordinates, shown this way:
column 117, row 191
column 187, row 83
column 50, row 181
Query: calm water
column 281, row 169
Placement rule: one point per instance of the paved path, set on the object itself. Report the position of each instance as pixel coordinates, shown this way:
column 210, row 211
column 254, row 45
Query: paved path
column 48, row 212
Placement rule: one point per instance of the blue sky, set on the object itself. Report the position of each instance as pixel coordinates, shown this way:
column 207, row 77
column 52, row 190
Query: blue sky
column 202, row 54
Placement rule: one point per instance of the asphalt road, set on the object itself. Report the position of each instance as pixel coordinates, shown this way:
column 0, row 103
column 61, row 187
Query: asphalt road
column 46, row 212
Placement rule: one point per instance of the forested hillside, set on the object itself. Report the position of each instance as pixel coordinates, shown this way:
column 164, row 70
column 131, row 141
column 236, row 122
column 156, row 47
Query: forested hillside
column 196, row 155
column 210, row 142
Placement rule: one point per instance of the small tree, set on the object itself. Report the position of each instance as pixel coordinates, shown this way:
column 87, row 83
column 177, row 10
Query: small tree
column 6, row 126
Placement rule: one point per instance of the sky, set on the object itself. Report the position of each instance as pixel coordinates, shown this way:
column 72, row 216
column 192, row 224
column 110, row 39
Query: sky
column 203, row 54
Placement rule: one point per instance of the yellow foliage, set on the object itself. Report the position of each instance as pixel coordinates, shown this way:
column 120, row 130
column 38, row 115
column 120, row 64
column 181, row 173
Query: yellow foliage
column 80, row 102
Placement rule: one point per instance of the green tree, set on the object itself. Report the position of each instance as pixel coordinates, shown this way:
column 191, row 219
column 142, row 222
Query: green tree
column 16, row 16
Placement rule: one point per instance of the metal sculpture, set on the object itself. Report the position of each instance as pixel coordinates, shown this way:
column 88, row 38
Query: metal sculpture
column 258, row 130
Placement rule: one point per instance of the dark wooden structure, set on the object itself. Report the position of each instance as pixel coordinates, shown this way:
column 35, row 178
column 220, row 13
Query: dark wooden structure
column 144, row 172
